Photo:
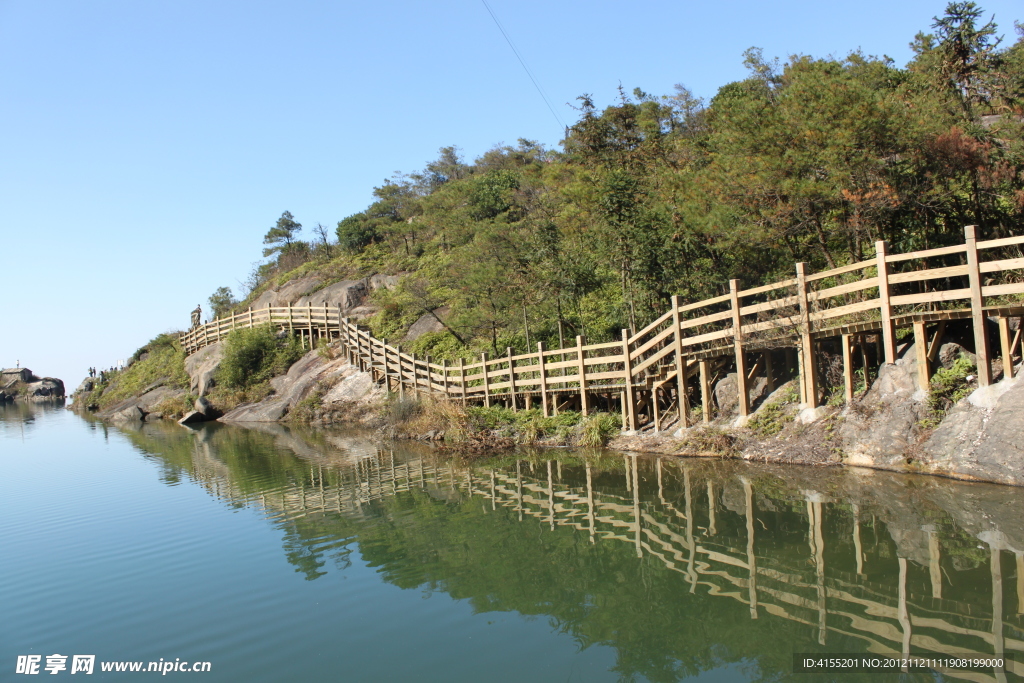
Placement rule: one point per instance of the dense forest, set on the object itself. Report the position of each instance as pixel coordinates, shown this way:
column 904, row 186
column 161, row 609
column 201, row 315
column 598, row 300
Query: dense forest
column 804, row 160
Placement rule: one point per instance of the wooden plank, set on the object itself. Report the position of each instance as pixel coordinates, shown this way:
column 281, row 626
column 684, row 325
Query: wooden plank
column 704, row 320
column 682, row 404
column 931, row 274
column 630, row 397
column 661, row 319
column 841, row 270
column 767, row 288
column 1004, row 264
column 921, row 355
column 768, row 305
column 808, row 376
column 487, row 390
column 926, row 253
column 885, row 306
column 844, row 310
column 652, row 359
column 702, row 304
column 1001, row 290
column 849, row 287
column 710, row 336
column 1004, row 242
column 598, row 347
column 542, row 375
column 582, row 371
column 743, row 394
column 651, row 343
column 705, row 391
column 463, row 388
column 512, row 379
column 933, row 350
column 930, row 297
column 1004, row 346
column 777, row 323
column 602, row 360
column 977, row 307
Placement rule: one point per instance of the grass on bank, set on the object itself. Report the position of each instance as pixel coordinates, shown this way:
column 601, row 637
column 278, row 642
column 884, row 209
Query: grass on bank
column 161, row 360
column 252, row 356
column 420, row 417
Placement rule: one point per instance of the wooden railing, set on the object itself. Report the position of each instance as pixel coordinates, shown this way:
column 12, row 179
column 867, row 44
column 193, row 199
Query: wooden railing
column 650, row 369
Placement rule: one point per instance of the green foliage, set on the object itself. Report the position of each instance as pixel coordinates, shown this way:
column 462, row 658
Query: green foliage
column 772, row 417
column 947, row 387
column 222, row 301
column 281, row 236
column 160, row 361
column 254, row 355
column 805, row 159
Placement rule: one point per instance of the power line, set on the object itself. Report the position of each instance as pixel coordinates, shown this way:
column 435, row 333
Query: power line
column 508, row 40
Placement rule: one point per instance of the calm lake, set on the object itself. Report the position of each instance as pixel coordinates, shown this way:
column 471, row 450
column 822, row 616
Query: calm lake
column 283, row 554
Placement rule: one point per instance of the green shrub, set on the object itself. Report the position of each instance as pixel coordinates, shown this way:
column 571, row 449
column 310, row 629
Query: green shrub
column 947, row 387
column 254, row 355
column 160, row 360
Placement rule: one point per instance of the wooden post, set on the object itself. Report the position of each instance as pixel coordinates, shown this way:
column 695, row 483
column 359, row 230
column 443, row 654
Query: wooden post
column 387, row 369
column 462, row 379
column 309, row 322
column 511, row 379
column 862, row 342
column 250, row 316
column 848, row 368
column 487, row 383
column 444, row 371
column 624, row 411
column 543, row 379
column 340, row 336
column 705, row 391
column 415, row 377
column 885, row 307
column 921, row 354
column 808, row 373
column 630, row 397
column 401, row 374
column 677, row 336
column 654, row 409
column 290, row 325
column 582, row 369
column 327, row 325
column 1005, row 347
column 977, row 307
column 737, row 341
column 769, row 373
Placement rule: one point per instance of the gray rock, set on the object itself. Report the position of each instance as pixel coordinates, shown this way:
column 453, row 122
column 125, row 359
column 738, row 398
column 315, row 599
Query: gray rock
column 950, row 352
column 202, row 367
column 192, row 417
column 426, row 323
column 726, row 393
column 879, row 429
column 132, row 413
column 205, row 407
column 47, row 387
column 979, row 442
column 153, row 417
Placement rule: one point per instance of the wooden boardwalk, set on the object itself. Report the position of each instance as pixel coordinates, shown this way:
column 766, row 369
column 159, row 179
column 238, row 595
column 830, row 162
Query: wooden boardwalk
column 779, row 331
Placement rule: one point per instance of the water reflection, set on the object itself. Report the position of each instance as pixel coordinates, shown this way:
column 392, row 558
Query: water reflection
column 681, row 565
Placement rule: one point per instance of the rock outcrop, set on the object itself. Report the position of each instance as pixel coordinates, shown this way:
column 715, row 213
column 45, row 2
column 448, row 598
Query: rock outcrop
column 21, row 383
column 335, row 380
column 202, row 366
column 351, row 295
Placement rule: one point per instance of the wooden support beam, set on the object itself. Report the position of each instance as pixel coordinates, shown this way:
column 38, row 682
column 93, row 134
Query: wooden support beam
column 511, row 379
column 921, row 355
column 1004, row 345
column 487, row 383
column 885, row 307
column 742, row 391
column 462, row 380
column 769, row 373
column 977, row 307
column 543, row 377
column 309, row 323
column 581, row 369
column 444, row 371
column 401, row 374
column 415, row 377
column 808, row 369
column 654, row 409
column 705, row 391
column 630, row 396
column 677, row 338
column 863, row 343
column 933, row 349
column 848, row 368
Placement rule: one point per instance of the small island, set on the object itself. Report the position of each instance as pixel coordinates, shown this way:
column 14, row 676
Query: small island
column 21, row 384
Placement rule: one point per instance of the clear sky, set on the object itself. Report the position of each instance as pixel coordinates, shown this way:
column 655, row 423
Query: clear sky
column 148, row 146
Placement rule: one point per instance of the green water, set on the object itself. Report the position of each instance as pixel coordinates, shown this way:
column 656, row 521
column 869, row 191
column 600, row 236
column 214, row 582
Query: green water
column 279, row 554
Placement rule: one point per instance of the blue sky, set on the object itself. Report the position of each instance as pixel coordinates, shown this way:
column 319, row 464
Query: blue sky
column 148, row 146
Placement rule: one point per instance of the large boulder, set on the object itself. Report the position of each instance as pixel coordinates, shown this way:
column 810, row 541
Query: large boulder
column 202, row 367
column 879, row 429
column 727, row 395
column 980, row 438
column 351, row 295
column 428, row 322
column 47, row 387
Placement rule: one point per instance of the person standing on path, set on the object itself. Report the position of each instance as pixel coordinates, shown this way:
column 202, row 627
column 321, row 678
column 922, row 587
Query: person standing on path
column 197, row 316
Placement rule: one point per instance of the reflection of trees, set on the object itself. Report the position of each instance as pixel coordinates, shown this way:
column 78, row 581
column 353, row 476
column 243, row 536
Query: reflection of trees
column 680, row 566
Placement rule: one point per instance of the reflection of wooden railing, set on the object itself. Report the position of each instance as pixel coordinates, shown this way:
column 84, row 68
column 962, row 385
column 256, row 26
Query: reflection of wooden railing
column 648, row 372
column 833, row 602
